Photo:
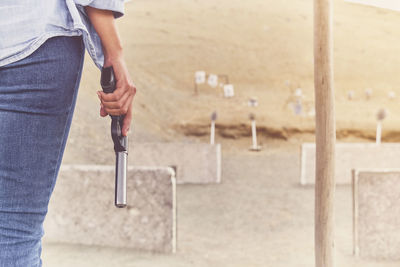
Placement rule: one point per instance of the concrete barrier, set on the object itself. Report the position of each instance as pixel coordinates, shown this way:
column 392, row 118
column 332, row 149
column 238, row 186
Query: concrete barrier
column 196, row 163
column 376, row 214
column 350, row 156
column 82, row 209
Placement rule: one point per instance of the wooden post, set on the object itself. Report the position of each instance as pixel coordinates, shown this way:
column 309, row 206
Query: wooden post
column 325, row 135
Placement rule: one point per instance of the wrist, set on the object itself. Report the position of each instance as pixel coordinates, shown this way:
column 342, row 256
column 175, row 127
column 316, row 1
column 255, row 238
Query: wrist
column 111, row 56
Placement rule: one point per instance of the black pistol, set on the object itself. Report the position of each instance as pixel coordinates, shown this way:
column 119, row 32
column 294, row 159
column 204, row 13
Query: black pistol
column 108, row 83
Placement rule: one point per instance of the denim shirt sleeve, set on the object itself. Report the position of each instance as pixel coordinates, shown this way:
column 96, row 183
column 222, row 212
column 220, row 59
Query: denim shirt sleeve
column 28, row 24
column 117, row 6
column 81, row 21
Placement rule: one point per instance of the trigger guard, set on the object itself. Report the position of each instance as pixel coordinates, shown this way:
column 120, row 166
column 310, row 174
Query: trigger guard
column 116, row 134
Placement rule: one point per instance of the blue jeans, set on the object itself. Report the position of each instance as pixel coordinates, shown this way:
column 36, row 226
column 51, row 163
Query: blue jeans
column 37, row 100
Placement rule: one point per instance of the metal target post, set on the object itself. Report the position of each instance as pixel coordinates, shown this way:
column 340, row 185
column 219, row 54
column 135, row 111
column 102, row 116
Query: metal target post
column 380, row 116
column 325, row 135
column 212, row 131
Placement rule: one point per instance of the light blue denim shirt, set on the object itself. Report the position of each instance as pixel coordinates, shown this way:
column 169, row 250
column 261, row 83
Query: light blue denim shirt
column 27, row 24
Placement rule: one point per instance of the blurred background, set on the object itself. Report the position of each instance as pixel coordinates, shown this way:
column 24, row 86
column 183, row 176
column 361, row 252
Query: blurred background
column 259, row 215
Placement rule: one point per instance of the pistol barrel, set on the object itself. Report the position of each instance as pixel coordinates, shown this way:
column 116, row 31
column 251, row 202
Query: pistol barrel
column 120, row 175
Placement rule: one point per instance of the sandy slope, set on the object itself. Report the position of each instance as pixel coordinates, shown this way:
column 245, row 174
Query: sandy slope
column 260, row 44
column 266, row 49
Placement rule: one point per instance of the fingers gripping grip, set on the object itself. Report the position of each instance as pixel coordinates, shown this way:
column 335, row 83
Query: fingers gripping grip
column 109, row 83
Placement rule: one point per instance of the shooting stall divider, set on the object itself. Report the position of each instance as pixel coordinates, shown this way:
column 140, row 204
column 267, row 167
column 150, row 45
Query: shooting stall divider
column 196, row 163
column 376, row 213
column 348, row 157
column 82, row 210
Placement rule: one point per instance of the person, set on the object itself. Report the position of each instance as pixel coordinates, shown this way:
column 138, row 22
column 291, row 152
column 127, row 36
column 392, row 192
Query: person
column 42, row 45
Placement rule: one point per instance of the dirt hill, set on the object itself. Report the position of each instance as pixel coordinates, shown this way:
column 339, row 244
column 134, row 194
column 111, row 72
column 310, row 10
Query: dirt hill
column 266, row 49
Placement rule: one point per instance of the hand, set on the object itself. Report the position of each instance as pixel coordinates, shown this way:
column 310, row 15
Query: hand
column 120, row 101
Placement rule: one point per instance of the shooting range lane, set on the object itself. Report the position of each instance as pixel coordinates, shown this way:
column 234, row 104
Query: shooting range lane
column 245, row 221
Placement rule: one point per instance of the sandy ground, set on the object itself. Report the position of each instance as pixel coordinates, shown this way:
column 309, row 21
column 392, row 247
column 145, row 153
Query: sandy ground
column 259, row 215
